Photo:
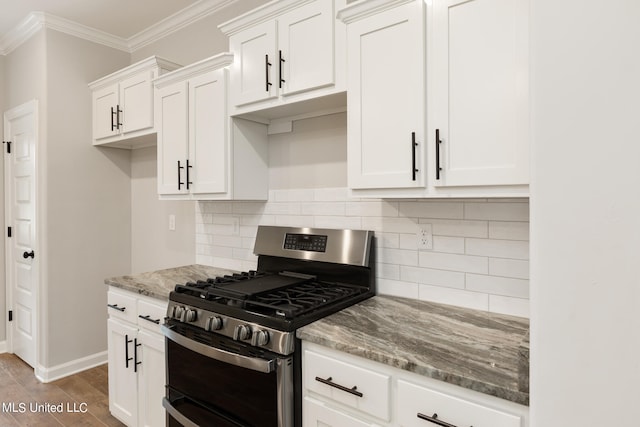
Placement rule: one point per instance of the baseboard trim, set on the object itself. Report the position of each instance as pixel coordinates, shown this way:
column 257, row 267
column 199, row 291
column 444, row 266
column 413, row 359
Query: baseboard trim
column 56, row 372
column 3, row 346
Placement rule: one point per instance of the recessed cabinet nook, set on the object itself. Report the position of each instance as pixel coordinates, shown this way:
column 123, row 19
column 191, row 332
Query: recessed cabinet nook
column 123, row 104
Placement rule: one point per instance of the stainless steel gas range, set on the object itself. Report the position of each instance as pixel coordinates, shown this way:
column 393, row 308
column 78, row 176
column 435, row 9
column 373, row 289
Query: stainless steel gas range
column 232, row 355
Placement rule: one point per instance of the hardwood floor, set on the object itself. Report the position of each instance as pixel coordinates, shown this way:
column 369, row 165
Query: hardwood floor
column 24, row 401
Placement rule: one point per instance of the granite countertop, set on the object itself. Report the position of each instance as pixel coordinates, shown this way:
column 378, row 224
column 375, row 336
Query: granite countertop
column 158, row 284
column 481, row 351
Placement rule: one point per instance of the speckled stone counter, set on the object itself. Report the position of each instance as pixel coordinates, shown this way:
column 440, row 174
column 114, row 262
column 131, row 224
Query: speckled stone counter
column 473, row 349
column 158, row 284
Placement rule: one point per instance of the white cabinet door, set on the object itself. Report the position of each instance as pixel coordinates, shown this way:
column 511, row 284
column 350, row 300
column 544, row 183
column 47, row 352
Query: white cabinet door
column 123, row 390
column 481, row 91
column 208, row 142
column 255, row 66
column 386, row 99
column 105, row 102
column 136, row 102
column 306, row 48
column 171, row 111
column 316, row 414
column 151, row 379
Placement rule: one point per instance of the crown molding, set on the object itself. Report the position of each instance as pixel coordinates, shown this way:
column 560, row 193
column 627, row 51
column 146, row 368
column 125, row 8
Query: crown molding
column 36, row 21
column 177, row 21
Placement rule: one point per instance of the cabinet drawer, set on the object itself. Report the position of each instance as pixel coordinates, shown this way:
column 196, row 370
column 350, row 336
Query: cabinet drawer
column 121, row 306
column 356, row 387
column 316, row 414
column 150, row 315
column 414, row 400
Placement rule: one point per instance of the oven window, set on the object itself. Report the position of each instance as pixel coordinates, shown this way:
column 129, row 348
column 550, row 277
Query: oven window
column 234, row 393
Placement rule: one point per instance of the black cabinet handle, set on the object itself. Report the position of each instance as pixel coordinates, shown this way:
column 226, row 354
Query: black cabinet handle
column 281, row 80
column 329, row 382
column 26, row 254
column 414, row 144
column 267, row 64
column 434, row 419
column 180, row 183
column 115, row 306
column 438, row 142
column 113, row 125
column 135, row 355
column 126, row 351
column 149, row 319
column 118, row 111
column 188, row 167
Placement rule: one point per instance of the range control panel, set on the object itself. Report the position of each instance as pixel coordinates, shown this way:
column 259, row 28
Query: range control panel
column 305, row 242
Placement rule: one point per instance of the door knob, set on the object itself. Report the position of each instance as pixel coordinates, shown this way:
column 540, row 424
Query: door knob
column 26, row 254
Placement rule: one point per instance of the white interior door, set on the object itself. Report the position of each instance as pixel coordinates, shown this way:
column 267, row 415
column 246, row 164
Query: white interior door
column 20, row 127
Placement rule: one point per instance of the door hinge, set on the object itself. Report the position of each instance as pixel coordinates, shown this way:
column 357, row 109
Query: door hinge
column 8, row 231
column 10, row 315
column 8, row 146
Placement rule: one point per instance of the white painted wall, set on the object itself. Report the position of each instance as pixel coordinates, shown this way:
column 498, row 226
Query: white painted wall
column 585, row 213
column 153, row 245
column 199, row 40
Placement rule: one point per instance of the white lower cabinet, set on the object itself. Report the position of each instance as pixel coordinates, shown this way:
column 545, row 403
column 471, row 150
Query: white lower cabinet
column 136, row 359
column 345, row 390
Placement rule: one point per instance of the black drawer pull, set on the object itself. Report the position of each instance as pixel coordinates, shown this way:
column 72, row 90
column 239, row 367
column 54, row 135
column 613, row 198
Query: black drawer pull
column 135, row 355
column 434, row 419
column 149, row 319
column 115, row 306
column 328, row 382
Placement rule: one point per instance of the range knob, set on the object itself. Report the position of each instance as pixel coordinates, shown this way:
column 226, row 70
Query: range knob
column 213, row 323
column 189, row 315
column 260, row 338
column 242, row 332
column 177, row 312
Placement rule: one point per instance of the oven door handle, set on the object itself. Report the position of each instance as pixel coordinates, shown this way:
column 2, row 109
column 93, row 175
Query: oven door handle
column 253, row 363
column 177, row 415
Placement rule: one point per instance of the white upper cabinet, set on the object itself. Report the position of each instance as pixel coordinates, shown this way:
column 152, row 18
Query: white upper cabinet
column 386, row 95
column 481, row 92
column 123, row 104
column 285, row 51
column 201, row 154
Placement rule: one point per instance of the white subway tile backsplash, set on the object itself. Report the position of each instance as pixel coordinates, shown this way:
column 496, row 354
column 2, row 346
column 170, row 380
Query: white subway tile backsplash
column 498, row 248
column 504, row 286
column 398, row 289
column 430, row 276
column 459, row 297
column 480, row 255
column 497, row 211
column 434, row 209
column 458, row 228
column 509, row 230
column 518, row 269
column 454, row 262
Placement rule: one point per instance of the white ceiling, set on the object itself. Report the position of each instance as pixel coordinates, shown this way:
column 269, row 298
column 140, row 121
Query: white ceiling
column 121, row 18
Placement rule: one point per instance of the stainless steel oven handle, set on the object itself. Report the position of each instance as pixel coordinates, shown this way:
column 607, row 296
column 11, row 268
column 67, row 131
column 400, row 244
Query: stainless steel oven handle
column 186, row 422
column 255, row 364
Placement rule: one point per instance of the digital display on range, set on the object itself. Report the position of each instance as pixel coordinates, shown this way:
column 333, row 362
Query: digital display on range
column 305, row 242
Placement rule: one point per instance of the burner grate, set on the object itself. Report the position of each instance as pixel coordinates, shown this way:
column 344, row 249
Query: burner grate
column 302, row 298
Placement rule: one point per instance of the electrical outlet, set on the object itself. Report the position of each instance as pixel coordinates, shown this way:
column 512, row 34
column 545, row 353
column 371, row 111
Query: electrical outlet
column 172, row 222
column 424, row 237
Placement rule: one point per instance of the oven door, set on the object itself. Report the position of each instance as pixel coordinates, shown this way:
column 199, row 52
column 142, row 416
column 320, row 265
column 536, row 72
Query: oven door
column 213, row 380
